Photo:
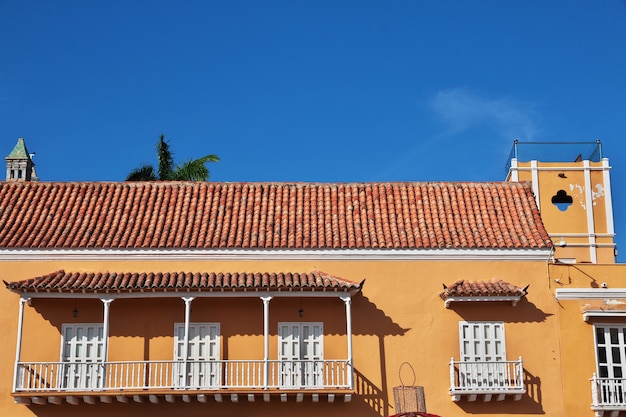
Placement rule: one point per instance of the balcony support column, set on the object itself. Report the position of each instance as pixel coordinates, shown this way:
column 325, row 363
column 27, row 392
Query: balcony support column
column 266, row 341
column 18, row 344
column 105, row 337
column 187, row 301
column 347, row 301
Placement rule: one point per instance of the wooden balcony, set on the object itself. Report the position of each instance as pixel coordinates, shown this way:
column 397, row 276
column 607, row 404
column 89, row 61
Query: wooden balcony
column 488, row 379
column 608, row 395
column 53, row 382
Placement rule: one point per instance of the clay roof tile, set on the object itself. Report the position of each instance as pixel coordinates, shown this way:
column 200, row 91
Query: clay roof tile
column 202, row 215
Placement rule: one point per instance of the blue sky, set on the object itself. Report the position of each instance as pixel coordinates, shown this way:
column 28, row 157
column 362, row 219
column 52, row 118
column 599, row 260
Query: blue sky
column 312, row 90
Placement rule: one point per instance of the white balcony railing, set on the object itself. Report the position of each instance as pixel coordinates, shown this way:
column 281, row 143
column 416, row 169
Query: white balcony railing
column 608, row 394
column 478, row 377
column 190, row 375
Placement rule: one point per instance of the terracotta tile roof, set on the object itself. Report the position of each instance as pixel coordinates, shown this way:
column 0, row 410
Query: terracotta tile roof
column 91, row 282
column 206, row 215
column 494, row 290
column 494, row 287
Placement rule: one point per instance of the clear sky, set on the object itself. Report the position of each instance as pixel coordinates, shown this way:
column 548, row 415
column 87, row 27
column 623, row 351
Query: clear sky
column 328, row 91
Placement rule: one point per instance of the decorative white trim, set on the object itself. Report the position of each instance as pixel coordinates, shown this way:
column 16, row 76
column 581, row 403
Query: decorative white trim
column 512, row 298
column 583, row 235
column 561, row 168
column 590, row 293
column 590, row 217
column 603, row 313
column 539, row 254
column 513, row 171
column 535, row 180
column 608, row 199
column 595, row 245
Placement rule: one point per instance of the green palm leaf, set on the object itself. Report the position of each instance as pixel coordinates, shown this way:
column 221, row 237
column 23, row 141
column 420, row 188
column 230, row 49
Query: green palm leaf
column 192, row 170
column 166, row 159
column 143, row 173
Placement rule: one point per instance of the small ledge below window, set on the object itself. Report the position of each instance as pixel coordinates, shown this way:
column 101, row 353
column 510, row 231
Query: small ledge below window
column 608, row 411
column 486, row 396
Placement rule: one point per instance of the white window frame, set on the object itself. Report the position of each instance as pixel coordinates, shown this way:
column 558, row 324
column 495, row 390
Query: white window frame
column 301, row 354
column 482, row 341
column 610, row 364
column 203, row 365
column 482, row 346
column 82, row 361
column 609, row 388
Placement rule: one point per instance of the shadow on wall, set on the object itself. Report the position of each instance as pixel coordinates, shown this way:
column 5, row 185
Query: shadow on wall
column 530, row 403
column 372, row 395
column 523, row 312
column 259, row 408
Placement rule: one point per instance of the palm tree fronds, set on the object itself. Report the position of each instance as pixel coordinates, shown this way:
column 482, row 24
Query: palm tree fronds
column 166, row 159
column 192, row 170
column 143, row 173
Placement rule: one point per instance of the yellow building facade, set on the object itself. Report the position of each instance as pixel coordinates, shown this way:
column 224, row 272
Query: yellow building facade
column 275, row 299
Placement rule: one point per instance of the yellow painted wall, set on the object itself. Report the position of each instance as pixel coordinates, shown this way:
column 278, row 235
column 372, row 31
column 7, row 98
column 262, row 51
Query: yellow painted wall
column 577, row 339
column 570, row 177
column 398, row 318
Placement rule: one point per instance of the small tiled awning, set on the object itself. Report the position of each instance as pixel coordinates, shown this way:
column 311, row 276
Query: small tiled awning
column 61, row 282
column 493, row 290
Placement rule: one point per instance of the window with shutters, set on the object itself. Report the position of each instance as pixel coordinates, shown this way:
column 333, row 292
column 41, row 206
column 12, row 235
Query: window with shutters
column 483, row 367
column 609, row 382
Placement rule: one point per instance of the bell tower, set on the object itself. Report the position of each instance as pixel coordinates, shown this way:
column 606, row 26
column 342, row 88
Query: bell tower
column 572, row 187
column 20, row 166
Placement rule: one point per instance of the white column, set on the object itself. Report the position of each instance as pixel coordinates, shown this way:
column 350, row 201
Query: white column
column 18, row 345
column 266, row 341
column 347, row 301
column 105, row 326
column 187, row 301
column 591, row 230
column 105, row 335
column 608, row 199
column 514, row 177
column 535, row 181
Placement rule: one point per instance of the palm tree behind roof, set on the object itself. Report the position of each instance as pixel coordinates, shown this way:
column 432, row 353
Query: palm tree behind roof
column 192, row 170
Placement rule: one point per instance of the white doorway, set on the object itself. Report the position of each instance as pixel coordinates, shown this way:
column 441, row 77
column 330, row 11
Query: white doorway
column 82, row 354
column 301, row 354
column 203, row 366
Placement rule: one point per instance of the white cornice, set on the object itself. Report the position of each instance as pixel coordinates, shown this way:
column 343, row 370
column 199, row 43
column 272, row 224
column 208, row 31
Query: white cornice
column 590, row 293
column 603, row 313
column 528, row 255
column 563, row 168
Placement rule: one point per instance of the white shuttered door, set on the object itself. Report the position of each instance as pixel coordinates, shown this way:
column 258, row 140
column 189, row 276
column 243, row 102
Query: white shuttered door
column 203, row 370
column 482, row 341
column 301, row 352
column 482, row 348
column 82, row 354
